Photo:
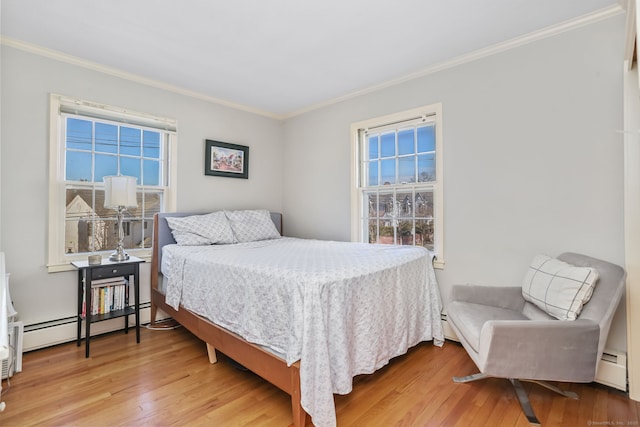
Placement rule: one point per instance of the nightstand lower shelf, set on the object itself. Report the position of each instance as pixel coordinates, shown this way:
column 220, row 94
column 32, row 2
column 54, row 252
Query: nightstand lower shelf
column 112, row 315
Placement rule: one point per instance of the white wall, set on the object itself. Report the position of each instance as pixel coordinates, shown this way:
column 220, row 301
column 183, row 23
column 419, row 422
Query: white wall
column 27, row 80
column 533, row 157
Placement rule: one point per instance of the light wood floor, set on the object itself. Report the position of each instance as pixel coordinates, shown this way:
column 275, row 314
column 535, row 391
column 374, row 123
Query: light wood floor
column 166, row 380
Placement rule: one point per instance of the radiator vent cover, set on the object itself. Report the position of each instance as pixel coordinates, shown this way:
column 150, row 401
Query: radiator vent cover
column 612, row 369
column 13, row 363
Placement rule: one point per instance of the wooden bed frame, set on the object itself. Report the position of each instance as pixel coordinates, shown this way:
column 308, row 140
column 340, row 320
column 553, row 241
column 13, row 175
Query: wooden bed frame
column 263, row 363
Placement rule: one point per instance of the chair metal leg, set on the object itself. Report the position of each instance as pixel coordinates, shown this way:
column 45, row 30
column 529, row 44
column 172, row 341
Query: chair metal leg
column 521, row 393
column 524, row 402
column 551, row 387
column 470, row 378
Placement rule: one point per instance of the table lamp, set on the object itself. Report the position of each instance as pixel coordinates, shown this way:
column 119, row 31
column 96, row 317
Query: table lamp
column 120, row 194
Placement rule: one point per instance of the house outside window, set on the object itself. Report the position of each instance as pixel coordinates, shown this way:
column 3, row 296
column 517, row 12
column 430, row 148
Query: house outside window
column 90, row 141
column 397, row 171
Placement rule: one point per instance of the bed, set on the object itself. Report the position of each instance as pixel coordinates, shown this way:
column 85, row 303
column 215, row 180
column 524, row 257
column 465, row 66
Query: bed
column 305, row 315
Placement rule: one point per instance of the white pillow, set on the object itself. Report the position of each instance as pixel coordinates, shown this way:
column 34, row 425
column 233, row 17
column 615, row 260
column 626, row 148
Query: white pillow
column 558, row 288
column 252, row 225
column 209, row 229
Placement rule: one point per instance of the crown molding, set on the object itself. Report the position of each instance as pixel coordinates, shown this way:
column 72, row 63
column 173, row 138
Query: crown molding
column 553, row 30
column 84, row 63
column 550, row 31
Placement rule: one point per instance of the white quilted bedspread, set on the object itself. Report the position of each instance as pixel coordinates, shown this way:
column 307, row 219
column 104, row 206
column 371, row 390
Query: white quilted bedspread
column 341, row 308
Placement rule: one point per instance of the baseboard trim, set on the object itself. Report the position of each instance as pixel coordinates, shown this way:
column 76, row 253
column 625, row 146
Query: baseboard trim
column 449, row 333
column 65, row 330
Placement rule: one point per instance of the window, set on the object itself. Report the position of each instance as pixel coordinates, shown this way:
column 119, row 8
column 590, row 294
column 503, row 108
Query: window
column 90, row 141
column 397, row 168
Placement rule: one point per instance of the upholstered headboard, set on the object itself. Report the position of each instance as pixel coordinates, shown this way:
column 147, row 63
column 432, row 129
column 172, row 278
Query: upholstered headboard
column 163, row 236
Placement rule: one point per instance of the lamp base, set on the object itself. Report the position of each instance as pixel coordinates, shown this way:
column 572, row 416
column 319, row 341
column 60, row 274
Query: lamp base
column 119, row 256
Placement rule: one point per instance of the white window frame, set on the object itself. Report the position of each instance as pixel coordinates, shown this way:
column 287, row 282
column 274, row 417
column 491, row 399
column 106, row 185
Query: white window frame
column 59, row 105
column 434, row 113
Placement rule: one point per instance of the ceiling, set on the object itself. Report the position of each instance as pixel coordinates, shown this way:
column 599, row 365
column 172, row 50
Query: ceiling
column 279, row 57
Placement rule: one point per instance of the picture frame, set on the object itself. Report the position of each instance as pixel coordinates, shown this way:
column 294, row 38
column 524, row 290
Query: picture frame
column 225, row 159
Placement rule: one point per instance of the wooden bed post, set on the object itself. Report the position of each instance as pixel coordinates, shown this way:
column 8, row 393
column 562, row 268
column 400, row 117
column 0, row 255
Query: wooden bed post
column 299, row 414
column 154, row 268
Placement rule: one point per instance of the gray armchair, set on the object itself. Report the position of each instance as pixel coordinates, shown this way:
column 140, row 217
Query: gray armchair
column 509, row 337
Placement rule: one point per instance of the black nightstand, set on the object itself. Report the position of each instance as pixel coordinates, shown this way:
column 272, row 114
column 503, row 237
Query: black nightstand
column 100, row 277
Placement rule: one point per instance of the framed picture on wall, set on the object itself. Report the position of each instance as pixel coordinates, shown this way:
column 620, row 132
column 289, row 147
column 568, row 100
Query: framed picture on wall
column 225, row 159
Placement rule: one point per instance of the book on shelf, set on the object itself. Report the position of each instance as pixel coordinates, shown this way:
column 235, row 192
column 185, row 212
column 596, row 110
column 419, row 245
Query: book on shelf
column 106, row 296
column 120, row 280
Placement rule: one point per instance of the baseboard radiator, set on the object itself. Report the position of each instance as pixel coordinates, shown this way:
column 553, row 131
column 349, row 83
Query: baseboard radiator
column 612, row 368
column 13, row 363
column 65, row 330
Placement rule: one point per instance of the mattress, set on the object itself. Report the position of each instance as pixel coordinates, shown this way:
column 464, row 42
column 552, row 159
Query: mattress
column 342, row 309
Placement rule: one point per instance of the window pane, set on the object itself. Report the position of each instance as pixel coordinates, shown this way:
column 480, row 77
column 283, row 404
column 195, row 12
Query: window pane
column 79, row 203
column 151, row 174
column 100, row 238
column 424, row 204
column 373, row 147
column 426, row 139
column 130, row 167
column 106, row 138
column 388, row 145
column 152, row 204
column 404, row 233
column 406, row 142
column 105, row 165
column 404, row 202
column 73, row 228
column 424, row 233
column 426, row 168
column 407, row 169
column 78, row 216
column 130, row 142
column 373, row 231
column 135, row 234
column 386, row 233
column 386, row 208
column 78, row 166
column 371, row 204
column 373, row 174
column 148, row 229
column 79, row 134
column 151, row 144
column 388, row 171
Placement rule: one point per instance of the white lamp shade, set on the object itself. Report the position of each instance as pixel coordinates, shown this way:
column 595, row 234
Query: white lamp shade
column 120, row 191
